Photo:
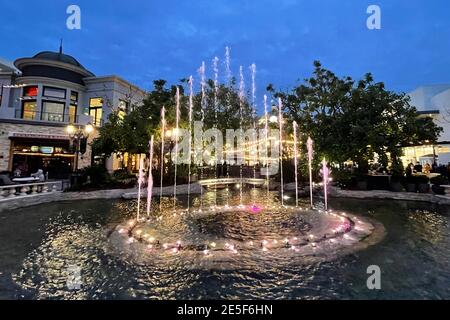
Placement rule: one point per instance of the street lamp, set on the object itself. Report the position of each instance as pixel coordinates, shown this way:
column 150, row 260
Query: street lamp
column 76, row 134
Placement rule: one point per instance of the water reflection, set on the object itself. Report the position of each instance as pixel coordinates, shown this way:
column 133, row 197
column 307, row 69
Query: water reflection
column 38, row 244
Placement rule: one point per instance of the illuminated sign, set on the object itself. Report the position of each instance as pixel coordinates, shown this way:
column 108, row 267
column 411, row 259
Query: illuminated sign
column 46, row 150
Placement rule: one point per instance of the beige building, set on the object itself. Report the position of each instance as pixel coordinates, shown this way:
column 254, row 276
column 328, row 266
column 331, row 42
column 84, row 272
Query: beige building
column 432, row 101
column 40, row 97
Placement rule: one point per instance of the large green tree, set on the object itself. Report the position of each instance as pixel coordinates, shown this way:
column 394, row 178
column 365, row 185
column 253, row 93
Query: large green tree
column 351, row 120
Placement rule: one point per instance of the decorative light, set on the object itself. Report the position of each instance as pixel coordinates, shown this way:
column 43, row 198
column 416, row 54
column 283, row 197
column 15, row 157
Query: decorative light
column 70, row 129
column 89, row 128
column 212, row 244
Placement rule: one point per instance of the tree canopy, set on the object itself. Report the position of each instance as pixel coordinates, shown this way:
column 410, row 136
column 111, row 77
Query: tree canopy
column 353, row 120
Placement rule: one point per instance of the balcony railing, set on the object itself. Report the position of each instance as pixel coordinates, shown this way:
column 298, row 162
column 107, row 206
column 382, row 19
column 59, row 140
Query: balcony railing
column 46, row 116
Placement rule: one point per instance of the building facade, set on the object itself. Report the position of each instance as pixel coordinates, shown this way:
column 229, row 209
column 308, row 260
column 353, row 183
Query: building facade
column 432, row 101
column 41, row 96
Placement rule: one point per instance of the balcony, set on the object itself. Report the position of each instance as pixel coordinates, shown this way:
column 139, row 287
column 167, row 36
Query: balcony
column 46, row 116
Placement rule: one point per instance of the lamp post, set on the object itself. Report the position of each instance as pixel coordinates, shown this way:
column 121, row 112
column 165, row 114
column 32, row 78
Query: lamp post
column 76, row 134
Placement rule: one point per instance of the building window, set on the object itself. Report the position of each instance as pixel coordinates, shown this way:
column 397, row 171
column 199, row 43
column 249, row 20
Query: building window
column 74, row 97
column 30, row 91
column 52, row 111
column 72, row 113
column 96, row 110
column 29, row 110
column 51, row 92
column 123, row 108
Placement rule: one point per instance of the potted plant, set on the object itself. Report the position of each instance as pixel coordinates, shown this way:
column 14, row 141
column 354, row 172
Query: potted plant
column 423, row 185
column 436, row 184
column 397, row 177
column 410, row 185
column 362, row 182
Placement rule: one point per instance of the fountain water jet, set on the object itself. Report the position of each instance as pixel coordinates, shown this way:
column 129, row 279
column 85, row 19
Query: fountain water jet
column 140, row 181
column 202, row 72
column 150, row 179
column 294, row 124
column 309, row 145
column 163, row 132
column 266, row 137
column 229, row 83
column 241, row 114
column 177, row 129
column 325, row 173
column 280, row 121
column 216, row 106
column 255, row 152
column 191, row 107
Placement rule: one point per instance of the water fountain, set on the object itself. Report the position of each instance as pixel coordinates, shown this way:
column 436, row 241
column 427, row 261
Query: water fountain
column 280, row 142
column 202, row 72
column 309, row 146
column 216, row 106
column 163, row 133
column 325, row 174
column 255, row 152
column 140, row 181
column 216, row 234
column 176, row 137
column 150, row 178
column 266, row 142
column 191, row 108
column 294, row 124
column 241, row 123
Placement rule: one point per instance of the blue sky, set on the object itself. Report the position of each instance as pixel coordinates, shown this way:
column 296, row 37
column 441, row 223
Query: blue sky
column 146, row 40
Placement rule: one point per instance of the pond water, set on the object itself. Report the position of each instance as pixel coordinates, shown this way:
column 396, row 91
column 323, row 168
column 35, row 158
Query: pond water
column 38, row 245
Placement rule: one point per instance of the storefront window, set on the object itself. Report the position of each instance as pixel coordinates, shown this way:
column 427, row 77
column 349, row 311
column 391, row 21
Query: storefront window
column 52, row 111
column 29, row 110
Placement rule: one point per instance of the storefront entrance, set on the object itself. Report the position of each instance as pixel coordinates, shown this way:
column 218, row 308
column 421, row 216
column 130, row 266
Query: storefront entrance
column 54, row 157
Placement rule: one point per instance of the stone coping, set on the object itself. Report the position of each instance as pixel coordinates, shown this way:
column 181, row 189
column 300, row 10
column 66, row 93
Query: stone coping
column 41, row 198
column 384, row 195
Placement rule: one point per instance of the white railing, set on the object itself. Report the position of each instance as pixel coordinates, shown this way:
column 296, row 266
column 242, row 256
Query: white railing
column 25, row 189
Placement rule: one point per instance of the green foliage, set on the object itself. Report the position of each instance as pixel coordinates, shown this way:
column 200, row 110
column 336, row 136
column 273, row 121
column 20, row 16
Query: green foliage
column 351, row 120
column 439, row 180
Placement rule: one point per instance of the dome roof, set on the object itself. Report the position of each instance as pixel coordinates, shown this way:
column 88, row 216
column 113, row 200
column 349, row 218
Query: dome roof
column 58, row 56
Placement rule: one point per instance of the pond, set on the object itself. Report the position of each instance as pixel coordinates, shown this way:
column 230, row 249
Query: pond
column 40, row 245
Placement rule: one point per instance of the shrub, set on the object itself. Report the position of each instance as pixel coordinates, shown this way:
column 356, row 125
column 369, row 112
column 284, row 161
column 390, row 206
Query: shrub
column 439, row 180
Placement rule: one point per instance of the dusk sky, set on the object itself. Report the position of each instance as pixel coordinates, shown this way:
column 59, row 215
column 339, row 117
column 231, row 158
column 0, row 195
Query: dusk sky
column 146, row 40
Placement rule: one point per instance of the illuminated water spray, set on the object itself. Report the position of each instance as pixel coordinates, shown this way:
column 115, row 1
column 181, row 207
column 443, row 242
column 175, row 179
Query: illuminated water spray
column 241, row 113
column 254, row 149
column 150, row 179
column 202, row 72
column 325, row 174
column 295, row 162
column 228, row 106
column 176, row 136
column 163, row 132
column 309, row 146
column 191, row 107
column 266, row 138
column 140, row 181
column 280, row 121
column 216, row 106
